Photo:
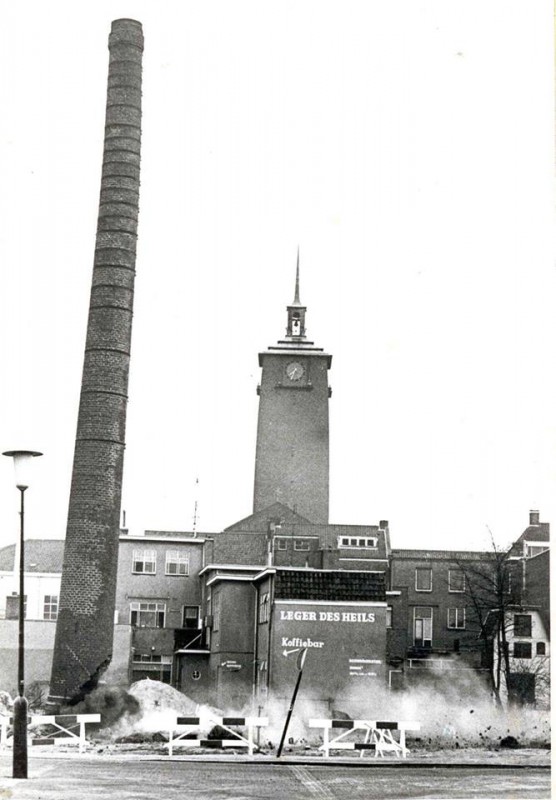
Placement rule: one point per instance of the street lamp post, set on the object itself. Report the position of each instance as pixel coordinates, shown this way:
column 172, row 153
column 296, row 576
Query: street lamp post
column 22, row 460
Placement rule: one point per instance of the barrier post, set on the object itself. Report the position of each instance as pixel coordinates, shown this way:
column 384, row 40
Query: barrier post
column 325, row 742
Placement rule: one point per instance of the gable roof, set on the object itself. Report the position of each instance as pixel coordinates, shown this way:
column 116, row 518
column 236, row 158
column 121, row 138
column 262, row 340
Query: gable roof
column 260, row 519
column 41, row 555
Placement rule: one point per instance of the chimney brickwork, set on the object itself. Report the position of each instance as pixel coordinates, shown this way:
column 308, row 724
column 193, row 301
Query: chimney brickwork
column 84, row 632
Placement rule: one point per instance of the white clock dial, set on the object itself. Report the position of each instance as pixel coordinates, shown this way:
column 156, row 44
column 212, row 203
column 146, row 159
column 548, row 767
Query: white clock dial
column 295, row 371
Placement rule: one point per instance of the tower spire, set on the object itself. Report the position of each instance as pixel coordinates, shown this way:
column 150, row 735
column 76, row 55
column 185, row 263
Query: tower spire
column 296, row 301
column 296, row 311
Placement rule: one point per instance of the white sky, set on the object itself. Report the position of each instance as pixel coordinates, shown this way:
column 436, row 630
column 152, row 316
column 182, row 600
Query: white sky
column 405, row 145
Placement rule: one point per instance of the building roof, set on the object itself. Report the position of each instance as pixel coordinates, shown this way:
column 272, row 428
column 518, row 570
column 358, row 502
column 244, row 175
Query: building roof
column 446, row 555
column 164, row 536
column 330, row 585
column 41, row 555
column 259, row 521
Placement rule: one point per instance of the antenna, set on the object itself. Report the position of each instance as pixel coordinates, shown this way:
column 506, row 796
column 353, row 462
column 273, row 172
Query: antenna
column 196, row 507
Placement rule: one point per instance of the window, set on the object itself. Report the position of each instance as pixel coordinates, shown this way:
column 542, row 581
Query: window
column 50, row 607
column 541, row 648
column 456, row 618
column 149, row 658
column 507, row 582
column 191, row 617
column 422, row 627
column 154, row 666
column 534, row 549
column 177, row 563
column 522, row 649
column 264, row 607
column 456, row 580
column 301, row 544
column 388, row 616
column 522, row 625
column 144, row 562
column 281, row 544
column 423, row 580
column 147, row 615
column 215, row 605
column 352, row 541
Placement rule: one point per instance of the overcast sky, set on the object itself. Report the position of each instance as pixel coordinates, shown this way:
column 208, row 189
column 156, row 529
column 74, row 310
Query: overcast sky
column 405, row 146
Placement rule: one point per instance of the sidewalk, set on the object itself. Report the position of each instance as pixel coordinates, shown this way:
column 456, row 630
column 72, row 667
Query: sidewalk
column 521, row 758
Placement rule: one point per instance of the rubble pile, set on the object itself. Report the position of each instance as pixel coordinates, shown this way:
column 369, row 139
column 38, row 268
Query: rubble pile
column 155, row 696
column 159, row 704
column 484, row 728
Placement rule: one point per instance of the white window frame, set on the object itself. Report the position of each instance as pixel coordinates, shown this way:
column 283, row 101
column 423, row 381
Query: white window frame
column 369, row 542
column 147, row 607
column 428, row 620
column 198, row 618
column 151, row 658
column 144, row 558
column 178, row 559
column 52, row 602
column 281, row 543
column 423, row 569
column 302, row 545
column 454, row 573
column 459, row 618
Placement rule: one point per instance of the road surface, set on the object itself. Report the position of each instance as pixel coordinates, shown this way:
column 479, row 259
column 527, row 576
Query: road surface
column 129, row 778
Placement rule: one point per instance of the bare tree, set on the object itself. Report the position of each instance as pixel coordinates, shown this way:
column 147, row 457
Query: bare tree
column 490, row 588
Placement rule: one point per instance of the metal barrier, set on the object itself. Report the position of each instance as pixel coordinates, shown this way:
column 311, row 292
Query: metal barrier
column 65, row 723
column 185, row 725
column 379, row 735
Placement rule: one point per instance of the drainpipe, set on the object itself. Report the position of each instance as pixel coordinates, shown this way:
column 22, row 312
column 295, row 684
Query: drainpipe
column 255, row 653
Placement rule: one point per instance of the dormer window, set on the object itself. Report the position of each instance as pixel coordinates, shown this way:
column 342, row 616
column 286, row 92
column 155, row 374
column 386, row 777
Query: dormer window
column 357, row 541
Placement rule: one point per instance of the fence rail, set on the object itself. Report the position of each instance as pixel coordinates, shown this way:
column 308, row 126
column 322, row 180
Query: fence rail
column 184, row 726
column 378, row 735
column 64, row 723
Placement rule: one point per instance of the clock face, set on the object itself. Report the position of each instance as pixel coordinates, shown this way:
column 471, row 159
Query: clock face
column 295, row 371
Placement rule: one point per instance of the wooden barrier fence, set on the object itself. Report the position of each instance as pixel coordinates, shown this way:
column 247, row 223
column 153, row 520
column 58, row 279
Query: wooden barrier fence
column 378, row 735
column 186, row 725
column 64, row 723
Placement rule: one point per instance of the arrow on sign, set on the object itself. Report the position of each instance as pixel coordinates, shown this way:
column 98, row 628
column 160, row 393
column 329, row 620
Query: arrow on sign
column 289, row 652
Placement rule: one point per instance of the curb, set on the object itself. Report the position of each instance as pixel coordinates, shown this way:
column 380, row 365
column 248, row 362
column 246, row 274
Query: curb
column 272, row 761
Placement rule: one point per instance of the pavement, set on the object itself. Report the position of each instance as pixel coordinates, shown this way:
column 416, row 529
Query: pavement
column 458, row 757
column 63, row 775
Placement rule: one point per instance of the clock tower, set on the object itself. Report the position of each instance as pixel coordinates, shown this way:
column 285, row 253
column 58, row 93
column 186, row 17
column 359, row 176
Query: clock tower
column 292, row 456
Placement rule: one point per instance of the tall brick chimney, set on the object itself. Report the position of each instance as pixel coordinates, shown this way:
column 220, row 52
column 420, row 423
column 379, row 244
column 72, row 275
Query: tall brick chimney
column 84, row 631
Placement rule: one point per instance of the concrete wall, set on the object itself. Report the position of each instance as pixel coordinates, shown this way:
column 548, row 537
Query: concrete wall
column 39, row 645
column 346, row 650
column 232, row 643
column 292, row 454
column 118, row 672
column 36, row 587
